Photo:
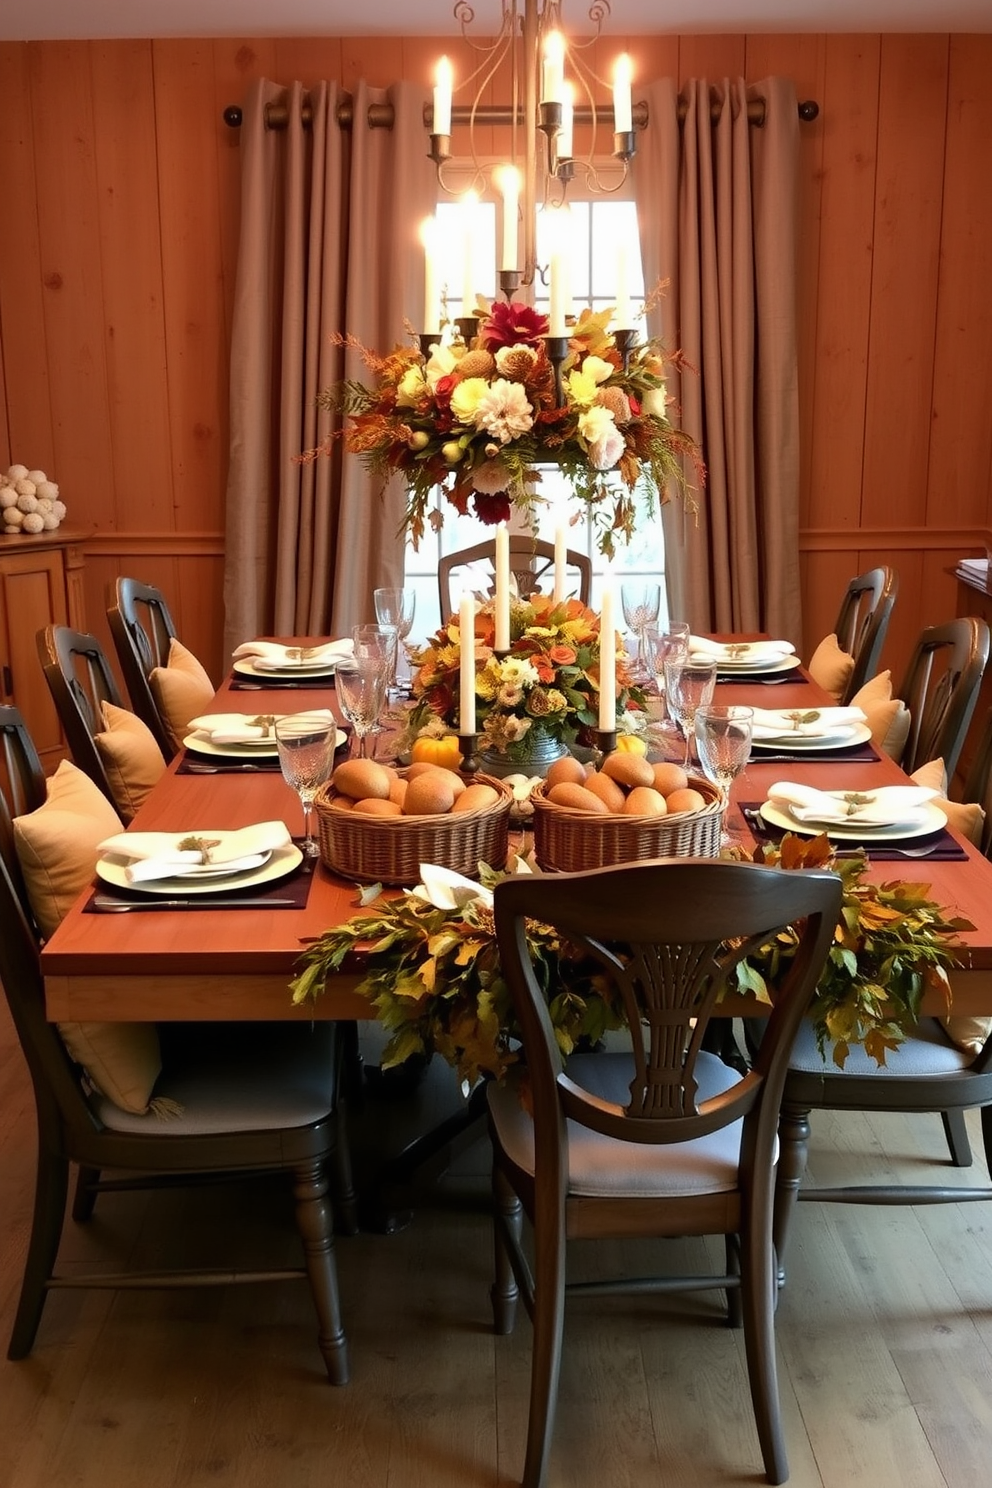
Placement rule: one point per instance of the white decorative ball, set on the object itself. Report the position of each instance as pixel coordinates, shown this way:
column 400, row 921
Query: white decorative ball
column 24, row 487
column 12, row 517
column 27, row 501
column 50, row 520
column 37, row 476
column 47, row 489
column 58, row 507
column 43, row 505
column 16, row 472
column 34, row 522
column 8, row 496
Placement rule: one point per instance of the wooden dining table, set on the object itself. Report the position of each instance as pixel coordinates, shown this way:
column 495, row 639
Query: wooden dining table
column 236, row 964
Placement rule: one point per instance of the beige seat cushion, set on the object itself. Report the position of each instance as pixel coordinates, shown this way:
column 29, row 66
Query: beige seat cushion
column 131, row 758
column 887, row 717
column 968, row 818
column 181, row 690
column 57, row 850
column 831, row 668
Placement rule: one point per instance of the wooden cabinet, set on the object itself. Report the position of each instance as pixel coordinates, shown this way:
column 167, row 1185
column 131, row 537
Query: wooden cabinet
column 40, row 584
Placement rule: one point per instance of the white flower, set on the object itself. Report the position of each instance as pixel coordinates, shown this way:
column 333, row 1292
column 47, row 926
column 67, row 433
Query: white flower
column 518, row 672
column 595, row 423
column 510, row 695
column 605, row 452
column 467, row 399
column 514, row 728
column 491, row 476
column 440, row 364
column 412, row 386
column 597, row 369
column 448, row 890
column 503, row 411
column 654, row 403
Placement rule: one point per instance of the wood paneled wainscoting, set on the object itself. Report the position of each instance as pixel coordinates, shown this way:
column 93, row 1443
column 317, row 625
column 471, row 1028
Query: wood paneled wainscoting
column 187, row 567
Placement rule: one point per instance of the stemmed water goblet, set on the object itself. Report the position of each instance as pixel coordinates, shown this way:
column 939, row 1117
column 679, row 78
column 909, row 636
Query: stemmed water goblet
column 641, row 602
column 305, row 743
column 689, row 685
column 723, row 743
column 674, row 643
column 396, row 607
column 360, row 683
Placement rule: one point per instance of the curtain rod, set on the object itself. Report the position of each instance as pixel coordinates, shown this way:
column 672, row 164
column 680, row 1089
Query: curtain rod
column 380, row 115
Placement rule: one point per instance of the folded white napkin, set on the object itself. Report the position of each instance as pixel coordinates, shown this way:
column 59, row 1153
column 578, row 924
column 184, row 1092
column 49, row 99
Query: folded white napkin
column 739, row 653
column 885, row 807
column 806, row 723
column 161, row 854
column 271, row 656
column 243, row 728
column 446, row 889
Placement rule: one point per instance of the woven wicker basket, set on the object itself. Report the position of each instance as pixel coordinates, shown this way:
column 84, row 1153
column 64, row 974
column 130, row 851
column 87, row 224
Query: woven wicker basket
column 390, row 849
column 571, row 841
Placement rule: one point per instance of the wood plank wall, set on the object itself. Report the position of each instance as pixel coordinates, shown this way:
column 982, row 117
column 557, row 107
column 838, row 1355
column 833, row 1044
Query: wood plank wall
column 118, row 253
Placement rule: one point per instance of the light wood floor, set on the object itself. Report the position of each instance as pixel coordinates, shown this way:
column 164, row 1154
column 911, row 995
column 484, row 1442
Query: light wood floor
column 885, row 1341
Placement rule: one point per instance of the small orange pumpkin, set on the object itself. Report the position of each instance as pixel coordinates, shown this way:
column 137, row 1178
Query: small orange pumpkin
column 431, row 751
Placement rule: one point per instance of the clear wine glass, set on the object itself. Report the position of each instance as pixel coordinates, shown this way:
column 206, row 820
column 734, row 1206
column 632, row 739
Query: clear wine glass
column 641, row 601
column 723, row 743
column 305, row 742
column 360, row 683
column 689, row 686
column 673, row 642
column 396, row 607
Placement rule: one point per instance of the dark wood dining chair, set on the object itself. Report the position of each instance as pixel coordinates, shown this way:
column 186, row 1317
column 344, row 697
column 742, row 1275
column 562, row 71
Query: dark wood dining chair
column 142, row 627
column 22, row 775
column 660, row 1140
column 531, row 564
column 245, row 1100
column 80, row 679
column 940, row 690
column 863, row 622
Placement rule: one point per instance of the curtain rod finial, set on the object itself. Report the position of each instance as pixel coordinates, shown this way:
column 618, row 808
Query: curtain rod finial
column 809, row 110
column 232, row 116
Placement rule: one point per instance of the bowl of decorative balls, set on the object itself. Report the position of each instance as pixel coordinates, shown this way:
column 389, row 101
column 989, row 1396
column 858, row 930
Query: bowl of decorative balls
column 628, row 809
column 29, row 502
column 378, row 824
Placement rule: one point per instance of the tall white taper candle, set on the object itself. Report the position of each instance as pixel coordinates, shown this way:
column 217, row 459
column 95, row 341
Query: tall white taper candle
column 502, row 618
column 607, row 659
column 560, row 562
column 466, row 664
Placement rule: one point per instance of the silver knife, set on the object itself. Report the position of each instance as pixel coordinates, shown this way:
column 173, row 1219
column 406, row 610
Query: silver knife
column 107, row 905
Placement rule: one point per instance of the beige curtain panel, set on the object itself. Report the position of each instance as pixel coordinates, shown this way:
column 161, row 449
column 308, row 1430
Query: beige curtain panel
column 716, row 205
column 329, row 221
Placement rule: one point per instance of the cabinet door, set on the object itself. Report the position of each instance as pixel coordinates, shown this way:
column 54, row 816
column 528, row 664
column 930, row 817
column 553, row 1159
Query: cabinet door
column 32, row 595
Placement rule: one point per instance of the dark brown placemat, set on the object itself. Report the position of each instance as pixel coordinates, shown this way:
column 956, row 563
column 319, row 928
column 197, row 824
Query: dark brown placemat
column 861, row 754
column 940, row 846
column 285, row 893
column 237, row 683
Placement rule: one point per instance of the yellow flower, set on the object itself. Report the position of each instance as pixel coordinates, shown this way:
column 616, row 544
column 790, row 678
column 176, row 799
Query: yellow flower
column 412, row 386
column 581, row 389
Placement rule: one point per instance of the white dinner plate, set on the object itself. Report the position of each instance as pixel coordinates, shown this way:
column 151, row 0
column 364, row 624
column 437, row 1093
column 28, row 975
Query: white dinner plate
column 930, row 819
column 744, row 668
column 275, row 865
column 255, row 748
column 245, row 666
column 843, row 738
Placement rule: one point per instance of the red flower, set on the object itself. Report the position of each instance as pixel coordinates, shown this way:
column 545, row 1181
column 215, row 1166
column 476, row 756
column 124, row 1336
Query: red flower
column 491, row 509
column 512, row 325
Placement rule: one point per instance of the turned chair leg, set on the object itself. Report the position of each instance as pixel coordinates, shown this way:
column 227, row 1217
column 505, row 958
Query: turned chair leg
column 313, row 1219
column 793, row 1133
column 507, row 1229
column 84, row 1197
column 758, row 1295
column 549, row 1318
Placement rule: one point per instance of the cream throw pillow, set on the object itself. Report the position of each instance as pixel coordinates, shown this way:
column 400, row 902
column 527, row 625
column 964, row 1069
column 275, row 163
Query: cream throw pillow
column 131, row 758
column 831, row 668
column 181, row 690
column 57, row 850
column 887, row 717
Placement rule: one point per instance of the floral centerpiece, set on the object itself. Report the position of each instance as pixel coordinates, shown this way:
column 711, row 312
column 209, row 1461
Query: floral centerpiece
column 478, row 420
column 548, row 682
column 433, row 974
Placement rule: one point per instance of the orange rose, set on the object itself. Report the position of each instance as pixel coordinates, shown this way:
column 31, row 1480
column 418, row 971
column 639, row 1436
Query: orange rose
column 561, row 655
